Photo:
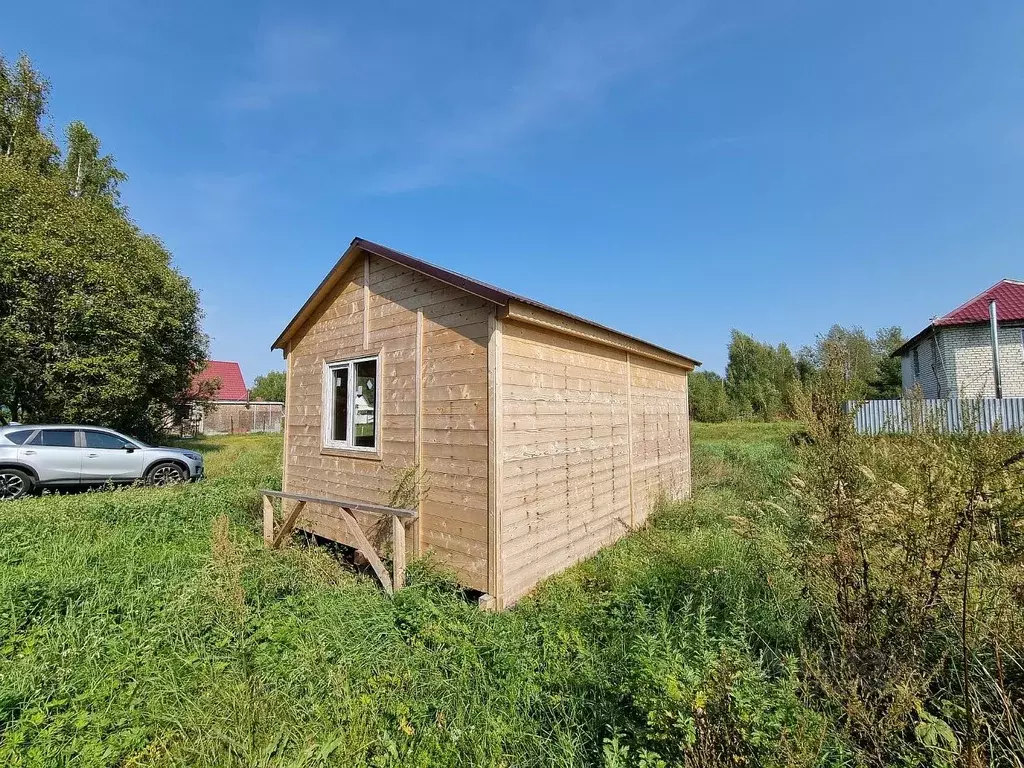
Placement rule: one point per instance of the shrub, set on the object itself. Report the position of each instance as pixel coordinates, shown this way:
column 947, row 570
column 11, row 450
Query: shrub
column 910, row 547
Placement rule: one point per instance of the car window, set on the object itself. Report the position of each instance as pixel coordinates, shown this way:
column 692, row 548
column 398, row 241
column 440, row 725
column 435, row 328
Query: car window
column 56, row 438
column 20, row 436
column 104, row 440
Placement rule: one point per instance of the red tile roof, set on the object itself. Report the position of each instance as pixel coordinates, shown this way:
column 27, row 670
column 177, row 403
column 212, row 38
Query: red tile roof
column 232, row 385
column 1008, row 296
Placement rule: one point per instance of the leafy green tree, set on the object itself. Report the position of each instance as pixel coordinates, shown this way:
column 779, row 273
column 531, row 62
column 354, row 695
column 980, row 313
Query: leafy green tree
column 708, row 400
column 89, row 173
column 760, row 379
column 270, row 386
column 850, row 350
column 96, row 325
column 23, row 94
column 866, row 365
column 887, row 383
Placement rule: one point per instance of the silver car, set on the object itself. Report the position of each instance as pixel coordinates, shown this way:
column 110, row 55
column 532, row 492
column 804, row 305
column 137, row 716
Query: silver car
column 34, row 457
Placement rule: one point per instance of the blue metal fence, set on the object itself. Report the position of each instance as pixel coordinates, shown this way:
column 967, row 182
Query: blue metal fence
column 950, row 415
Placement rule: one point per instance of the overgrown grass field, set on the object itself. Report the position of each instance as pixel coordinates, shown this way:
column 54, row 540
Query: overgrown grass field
column 150, row 627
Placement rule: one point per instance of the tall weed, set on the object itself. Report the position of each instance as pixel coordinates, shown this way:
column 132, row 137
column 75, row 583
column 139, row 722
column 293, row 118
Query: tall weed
column 910, row 548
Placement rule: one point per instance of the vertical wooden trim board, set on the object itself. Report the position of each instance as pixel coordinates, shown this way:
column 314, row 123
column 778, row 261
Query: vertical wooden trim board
column 629, row 437
column 417, row 531
column 268, row 520
column 287, row 418
column 494, row 459
column 398, row 551
column 366, row 302
column 688, row 468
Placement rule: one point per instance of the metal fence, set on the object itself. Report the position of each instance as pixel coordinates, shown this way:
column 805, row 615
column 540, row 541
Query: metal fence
column 950, row 415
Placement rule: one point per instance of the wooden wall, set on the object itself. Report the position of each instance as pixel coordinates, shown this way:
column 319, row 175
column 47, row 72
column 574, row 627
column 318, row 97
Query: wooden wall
column 437, row 418
column 589, row 440
column 660, row 427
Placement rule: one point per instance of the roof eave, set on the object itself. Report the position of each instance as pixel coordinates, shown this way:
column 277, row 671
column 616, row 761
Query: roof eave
column 314, row 298
column 912, row 342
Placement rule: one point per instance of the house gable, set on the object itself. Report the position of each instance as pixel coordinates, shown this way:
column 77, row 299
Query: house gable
column 436, row 421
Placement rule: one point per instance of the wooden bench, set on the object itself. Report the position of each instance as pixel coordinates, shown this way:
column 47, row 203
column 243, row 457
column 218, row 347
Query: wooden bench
column 346, row 507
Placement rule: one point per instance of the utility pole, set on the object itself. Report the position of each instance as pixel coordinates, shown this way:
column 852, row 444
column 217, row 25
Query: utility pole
column 995, row 347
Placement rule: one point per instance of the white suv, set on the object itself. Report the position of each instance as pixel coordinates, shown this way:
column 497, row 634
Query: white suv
column 53, row 456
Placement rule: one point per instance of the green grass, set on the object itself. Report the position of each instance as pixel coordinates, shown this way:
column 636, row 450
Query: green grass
column 137, row 630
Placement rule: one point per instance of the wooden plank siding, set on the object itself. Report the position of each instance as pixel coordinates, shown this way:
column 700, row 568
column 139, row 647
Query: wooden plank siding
column 574, row 478
column 660, row 427
column 565, row 491
column 432, row 340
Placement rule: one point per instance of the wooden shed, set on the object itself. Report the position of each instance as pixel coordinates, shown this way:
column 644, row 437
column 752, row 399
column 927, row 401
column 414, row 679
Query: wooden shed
column 541, row 437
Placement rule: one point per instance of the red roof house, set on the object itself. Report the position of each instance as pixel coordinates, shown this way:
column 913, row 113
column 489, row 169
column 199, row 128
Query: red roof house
column 953, row 355
column 230, row 411
column 229, row 375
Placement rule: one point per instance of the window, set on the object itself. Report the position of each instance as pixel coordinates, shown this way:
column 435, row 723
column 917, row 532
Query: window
column 55, row 438
column 105, row 440
column 20, row 436
column 917, row 365
column 350, row 404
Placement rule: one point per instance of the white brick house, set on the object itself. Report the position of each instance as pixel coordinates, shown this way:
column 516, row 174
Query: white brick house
column 952, row 357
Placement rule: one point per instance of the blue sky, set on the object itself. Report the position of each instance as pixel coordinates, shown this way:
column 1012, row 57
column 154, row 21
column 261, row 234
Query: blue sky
column 671, row 169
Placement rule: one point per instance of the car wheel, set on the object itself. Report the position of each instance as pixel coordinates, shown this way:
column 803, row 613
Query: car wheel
column 165, row 473
column 14, row 484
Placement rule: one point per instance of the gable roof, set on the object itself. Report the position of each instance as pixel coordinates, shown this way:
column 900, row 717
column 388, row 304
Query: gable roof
column 232, row 385
column 470, row 285
column 1008, row 296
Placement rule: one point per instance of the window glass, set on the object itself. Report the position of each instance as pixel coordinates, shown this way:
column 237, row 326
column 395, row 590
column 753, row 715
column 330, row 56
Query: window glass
column 104, row 440
column 55, row 438
column 365, row 403
column 19, row 437
column 917, row 364
column 340, row 427
column 350, row 410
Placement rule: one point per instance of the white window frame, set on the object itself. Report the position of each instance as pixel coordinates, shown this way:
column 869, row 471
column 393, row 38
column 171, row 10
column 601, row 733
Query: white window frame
column 327, row 410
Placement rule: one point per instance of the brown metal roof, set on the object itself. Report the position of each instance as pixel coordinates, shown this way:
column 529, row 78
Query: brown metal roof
column 468, row 284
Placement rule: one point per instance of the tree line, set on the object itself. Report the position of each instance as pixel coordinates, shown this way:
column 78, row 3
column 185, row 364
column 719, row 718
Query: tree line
column 764, row 382
column 96, row 324
column 270, row 386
